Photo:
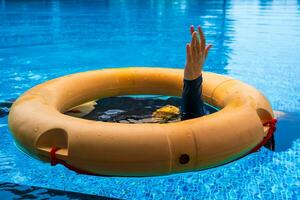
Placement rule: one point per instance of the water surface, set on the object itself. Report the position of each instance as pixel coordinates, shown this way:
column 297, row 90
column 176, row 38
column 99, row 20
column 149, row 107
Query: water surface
column 256, row 41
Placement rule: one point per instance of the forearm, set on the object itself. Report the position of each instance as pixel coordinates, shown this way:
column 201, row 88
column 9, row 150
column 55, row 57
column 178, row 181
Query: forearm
column 192, row 103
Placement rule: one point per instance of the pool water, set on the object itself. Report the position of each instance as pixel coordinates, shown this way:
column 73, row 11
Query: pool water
column 256, row 41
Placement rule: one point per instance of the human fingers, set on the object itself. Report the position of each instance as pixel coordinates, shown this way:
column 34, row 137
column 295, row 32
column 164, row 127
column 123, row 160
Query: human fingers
column 188, row 53
column 195, row 45
column 207, row 49
column 202, row 38
column 192, row 29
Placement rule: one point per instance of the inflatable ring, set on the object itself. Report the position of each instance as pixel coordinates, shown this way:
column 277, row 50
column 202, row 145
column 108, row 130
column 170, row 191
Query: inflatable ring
column 42, row 130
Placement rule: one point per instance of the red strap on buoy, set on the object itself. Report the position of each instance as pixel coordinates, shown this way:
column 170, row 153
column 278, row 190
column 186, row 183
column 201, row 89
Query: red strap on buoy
column 272, row 128
column 54, row 161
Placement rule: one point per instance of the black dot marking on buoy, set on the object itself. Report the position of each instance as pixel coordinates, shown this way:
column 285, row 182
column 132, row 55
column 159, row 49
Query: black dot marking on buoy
column 184, row 159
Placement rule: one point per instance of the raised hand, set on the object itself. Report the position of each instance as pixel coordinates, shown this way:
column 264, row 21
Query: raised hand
column 196, row 53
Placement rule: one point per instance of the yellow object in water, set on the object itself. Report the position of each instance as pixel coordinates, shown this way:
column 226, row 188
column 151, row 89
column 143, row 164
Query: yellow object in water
column 166, row 113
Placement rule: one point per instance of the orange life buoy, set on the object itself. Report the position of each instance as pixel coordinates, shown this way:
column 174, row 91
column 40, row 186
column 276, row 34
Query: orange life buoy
column 38, row 124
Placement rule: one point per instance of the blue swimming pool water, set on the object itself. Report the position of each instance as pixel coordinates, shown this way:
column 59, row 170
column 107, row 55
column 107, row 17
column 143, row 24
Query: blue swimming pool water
column 255, row 41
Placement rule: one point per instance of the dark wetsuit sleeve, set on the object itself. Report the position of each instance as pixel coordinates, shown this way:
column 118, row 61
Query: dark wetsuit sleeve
column 192, row 103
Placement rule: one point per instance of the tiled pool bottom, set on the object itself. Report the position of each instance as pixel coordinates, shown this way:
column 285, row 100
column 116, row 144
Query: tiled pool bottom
column 263, row 175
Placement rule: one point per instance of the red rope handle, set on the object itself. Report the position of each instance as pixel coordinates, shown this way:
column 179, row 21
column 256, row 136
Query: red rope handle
column 54, row 161
column 272, row 128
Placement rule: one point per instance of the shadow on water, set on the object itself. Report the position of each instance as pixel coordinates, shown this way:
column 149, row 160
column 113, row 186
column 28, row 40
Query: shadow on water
column 128, row 109
column 16, row 191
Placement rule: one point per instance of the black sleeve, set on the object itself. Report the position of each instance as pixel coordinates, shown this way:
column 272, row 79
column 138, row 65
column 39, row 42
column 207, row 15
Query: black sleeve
column 192, row 103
